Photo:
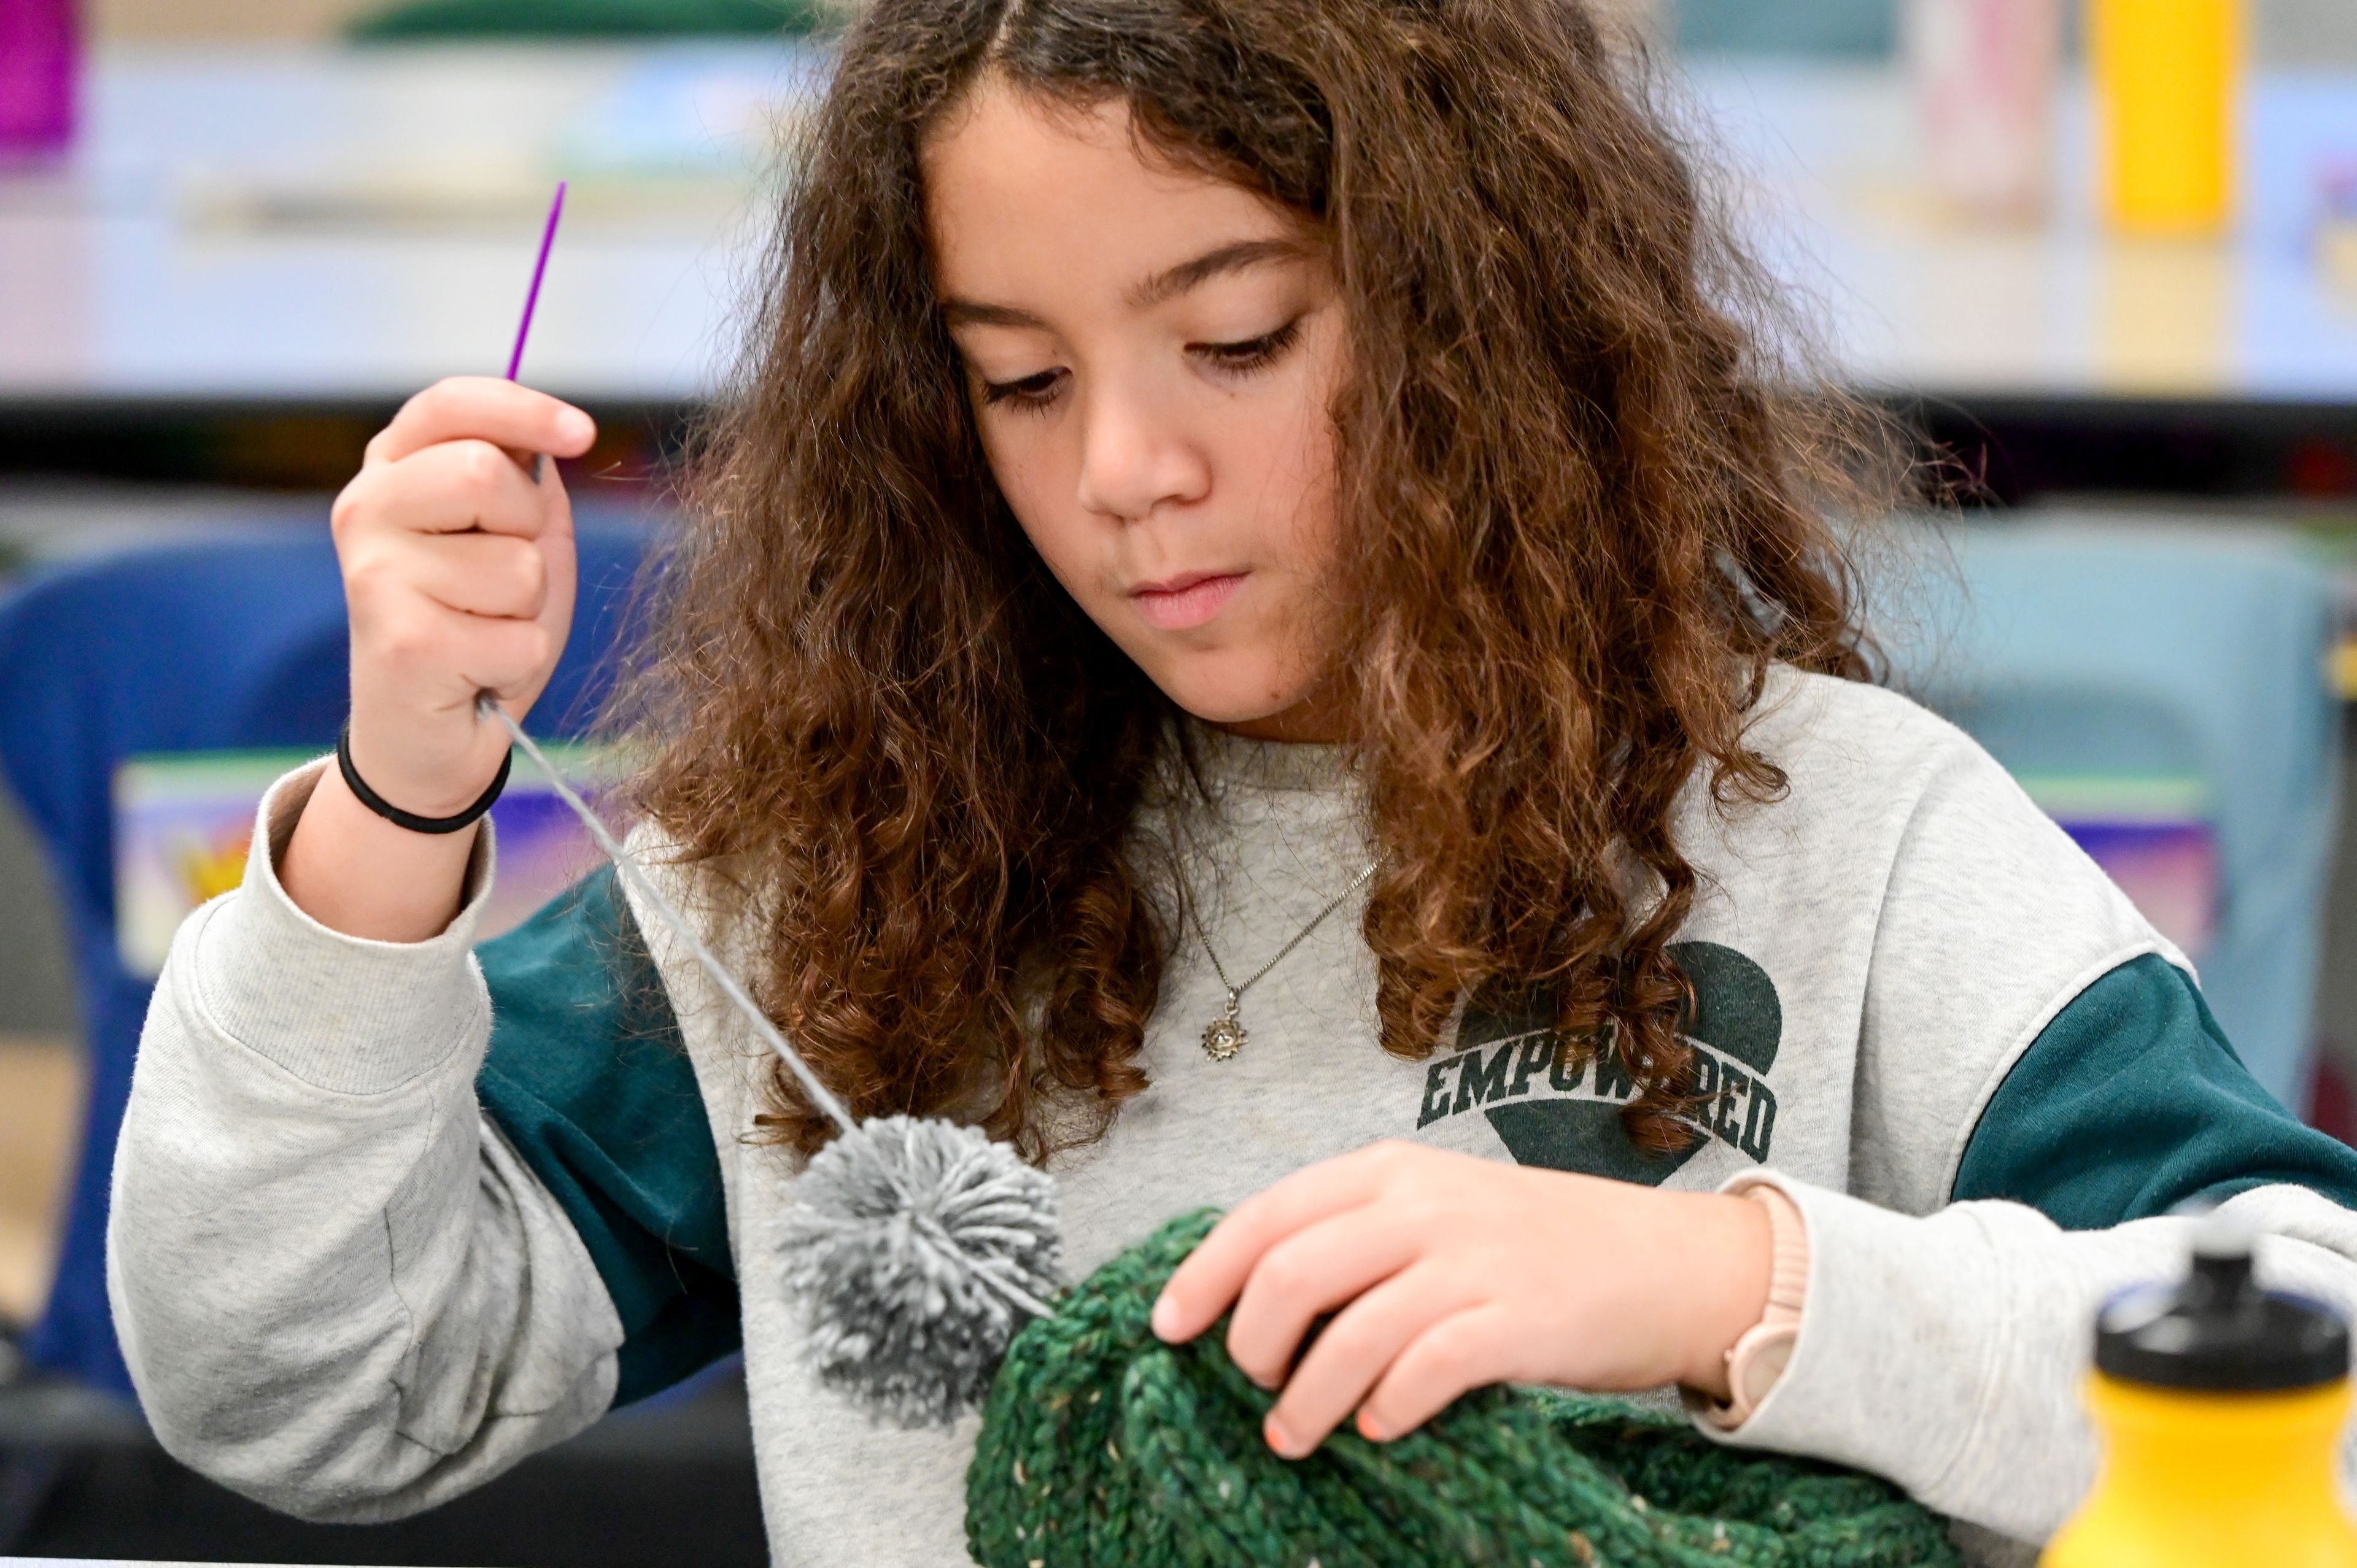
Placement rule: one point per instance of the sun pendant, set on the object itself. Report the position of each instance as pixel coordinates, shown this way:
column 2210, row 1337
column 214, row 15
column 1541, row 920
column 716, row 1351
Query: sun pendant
column 1224, row 1036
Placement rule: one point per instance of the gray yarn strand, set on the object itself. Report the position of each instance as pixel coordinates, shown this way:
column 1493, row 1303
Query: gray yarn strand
column 976, row 1213
column 680, row 926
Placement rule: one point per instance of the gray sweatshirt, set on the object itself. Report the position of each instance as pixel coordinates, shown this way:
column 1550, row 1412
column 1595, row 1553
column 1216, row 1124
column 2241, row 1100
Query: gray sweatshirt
column 388, row 1217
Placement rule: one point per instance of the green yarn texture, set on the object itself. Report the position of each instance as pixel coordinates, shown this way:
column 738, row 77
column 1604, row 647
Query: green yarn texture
column 1102, row 1447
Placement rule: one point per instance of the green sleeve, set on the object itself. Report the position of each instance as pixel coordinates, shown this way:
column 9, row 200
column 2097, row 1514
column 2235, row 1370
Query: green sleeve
column 589, row 1079
column 2129, row 1103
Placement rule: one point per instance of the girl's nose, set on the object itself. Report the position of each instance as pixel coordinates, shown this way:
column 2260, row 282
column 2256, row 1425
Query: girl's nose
column 1134, row 458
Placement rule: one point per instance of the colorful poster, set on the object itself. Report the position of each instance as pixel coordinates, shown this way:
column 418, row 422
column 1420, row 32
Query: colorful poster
column 2154, row 835
column 184, row 826
column 184, row 823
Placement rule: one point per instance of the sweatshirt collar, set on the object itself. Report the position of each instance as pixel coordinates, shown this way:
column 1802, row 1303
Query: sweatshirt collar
column 1229, row 761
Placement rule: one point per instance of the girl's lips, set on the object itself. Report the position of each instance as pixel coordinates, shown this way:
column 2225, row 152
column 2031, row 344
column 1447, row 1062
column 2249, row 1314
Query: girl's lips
column 1189, row 602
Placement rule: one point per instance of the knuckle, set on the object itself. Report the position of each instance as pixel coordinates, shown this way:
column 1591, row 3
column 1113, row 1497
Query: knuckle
column 478, row 465
column 1422, row 1211
column 1449, row 1356
column 526, row 571
column 426, row 401
column 368, row 574
column 1350, row 1338
column 532, row 647
column 408, row 640
column 1284, row 1274
column 345, row 515
column 1389, row 1161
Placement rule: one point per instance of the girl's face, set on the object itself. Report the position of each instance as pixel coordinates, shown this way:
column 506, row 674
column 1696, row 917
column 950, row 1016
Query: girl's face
column 1152, row 354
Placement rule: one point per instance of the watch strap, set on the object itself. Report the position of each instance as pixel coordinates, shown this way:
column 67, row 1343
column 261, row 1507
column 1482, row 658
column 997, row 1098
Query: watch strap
column 1757, row 1357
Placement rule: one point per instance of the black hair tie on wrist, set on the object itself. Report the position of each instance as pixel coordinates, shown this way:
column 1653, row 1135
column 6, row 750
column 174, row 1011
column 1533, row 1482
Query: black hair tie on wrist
column 410, row 820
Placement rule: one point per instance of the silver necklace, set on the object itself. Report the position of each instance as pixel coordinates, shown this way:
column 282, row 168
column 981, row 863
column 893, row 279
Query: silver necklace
column 1224, row 1035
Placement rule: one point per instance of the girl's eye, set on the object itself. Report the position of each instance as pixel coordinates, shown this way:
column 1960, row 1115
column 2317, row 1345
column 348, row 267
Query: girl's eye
column 1253, row 353
column 1031, row 392
column 1034, row 392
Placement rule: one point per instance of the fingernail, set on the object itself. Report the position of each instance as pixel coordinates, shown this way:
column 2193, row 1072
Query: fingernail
column 575, row 425
column 1278, row 1438
column 1372, row 1430
column 1164, row 1321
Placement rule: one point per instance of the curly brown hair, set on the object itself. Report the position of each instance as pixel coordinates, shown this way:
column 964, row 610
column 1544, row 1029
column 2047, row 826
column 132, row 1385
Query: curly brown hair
column 1582, row 512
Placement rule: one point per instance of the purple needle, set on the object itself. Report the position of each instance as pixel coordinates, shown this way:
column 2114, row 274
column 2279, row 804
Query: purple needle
column 539, row 270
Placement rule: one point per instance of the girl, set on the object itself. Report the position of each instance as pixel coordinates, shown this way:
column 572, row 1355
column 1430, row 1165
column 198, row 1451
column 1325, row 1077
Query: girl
column 1264, row 631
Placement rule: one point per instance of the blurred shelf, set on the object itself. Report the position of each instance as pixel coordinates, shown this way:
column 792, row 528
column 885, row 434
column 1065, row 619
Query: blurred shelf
column 284, row 227
column 313, row 227
column 1919, row 303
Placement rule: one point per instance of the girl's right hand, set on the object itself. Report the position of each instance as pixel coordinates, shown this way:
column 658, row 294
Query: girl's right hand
column 459, row 577
column 456, row 548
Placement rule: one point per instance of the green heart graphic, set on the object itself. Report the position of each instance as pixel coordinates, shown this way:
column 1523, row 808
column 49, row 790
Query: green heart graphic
column 1737, row 1014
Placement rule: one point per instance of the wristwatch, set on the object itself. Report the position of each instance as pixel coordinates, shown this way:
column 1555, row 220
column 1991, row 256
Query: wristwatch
column 1756, row 1360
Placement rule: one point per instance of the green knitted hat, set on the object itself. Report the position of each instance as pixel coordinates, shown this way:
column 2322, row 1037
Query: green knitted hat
column 1102, row 1447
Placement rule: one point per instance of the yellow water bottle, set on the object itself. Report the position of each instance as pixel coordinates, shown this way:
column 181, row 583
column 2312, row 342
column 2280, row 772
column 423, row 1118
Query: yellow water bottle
column 2168, row 77
column 2220, row 1406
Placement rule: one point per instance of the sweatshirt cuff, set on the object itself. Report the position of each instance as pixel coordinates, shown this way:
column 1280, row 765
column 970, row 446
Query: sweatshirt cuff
column 1904, row 1322
column 1756, row 1361
column 343, row 1013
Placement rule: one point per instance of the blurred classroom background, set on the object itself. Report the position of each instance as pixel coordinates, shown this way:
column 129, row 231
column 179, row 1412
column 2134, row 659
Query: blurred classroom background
column 2132, row 352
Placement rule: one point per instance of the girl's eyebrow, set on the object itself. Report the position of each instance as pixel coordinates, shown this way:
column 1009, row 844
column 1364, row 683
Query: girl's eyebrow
column 1163, row 285
column 1230, row 258
column 973, row 312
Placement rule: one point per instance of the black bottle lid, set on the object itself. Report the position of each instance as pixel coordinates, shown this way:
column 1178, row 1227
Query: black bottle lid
column 2218, row 1331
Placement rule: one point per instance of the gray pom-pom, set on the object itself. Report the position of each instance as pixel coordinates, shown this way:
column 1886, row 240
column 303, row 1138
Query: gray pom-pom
column 910, row 1245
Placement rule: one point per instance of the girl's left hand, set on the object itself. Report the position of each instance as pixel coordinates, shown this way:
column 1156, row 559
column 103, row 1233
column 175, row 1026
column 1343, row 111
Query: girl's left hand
column 1448, row 1273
